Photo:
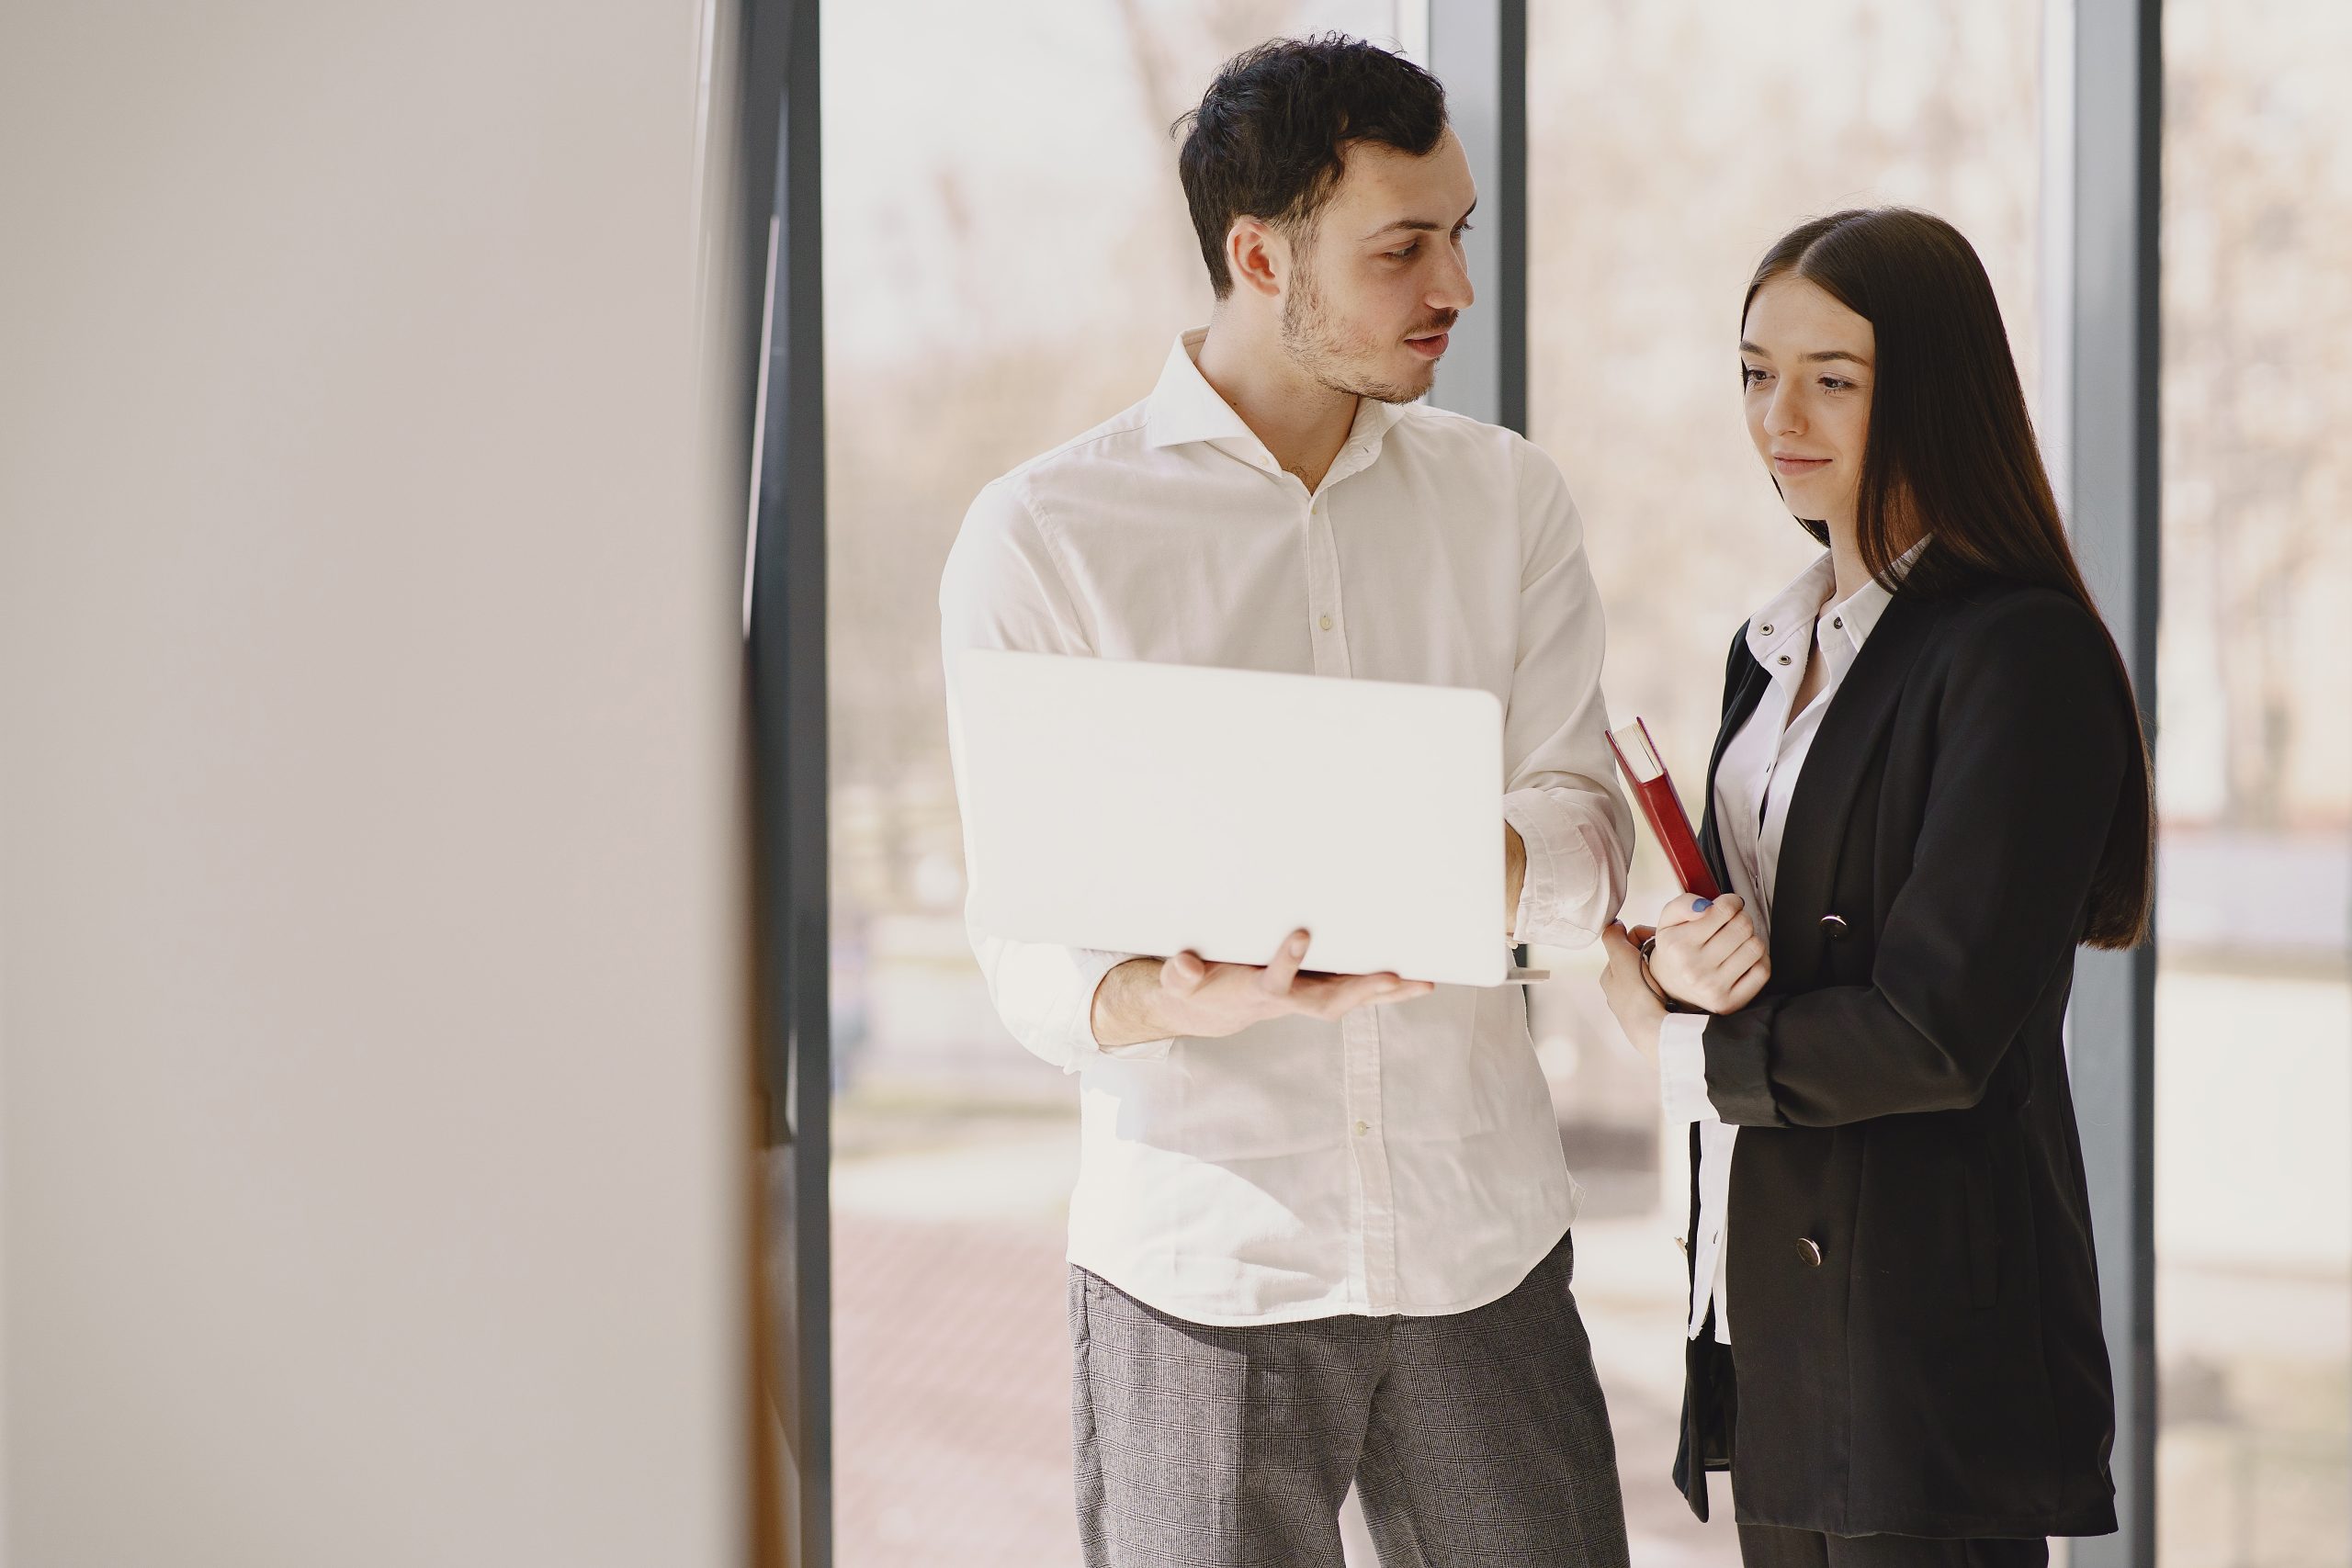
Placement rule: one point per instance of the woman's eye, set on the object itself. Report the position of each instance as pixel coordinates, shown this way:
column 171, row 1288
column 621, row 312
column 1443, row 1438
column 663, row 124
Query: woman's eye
column 1832, row 384
column 1749, row 375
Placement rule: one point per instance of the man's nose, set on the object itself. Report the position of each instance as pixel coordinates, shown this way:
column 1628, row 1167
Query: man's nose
column 1451, row 290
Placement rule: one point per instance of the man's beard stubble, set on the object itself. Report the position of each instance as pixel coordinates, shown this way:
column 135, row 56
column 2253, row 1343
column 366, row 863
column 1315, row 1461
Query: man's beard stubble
column 1317, row 347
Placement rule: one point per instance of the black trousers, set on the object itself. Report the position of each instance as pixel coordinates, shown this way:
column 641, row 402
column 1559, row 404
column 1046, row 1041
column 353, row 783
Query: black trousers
column 1768, row 1546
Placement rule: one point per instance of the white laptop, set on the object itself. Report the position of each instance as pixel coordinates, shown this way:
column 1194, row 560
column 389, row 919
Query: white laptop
column 1152, row 809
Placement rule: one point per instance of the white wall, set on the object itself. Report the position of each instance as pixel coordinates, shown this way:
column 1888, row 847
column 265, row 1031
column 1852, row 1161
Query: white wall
column 370, row 1043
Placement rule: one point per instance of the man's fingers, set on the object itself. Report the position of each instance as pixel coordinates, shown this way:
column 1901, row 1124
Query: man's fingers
column 1332, row 996
column 1350, row 992
column 1278, row 975
column 1183, row 973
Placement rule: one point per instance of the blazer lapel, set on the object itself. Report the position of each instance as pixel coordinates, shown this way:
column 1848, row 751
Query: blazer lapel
column 1857, row 716
column 1753, row 681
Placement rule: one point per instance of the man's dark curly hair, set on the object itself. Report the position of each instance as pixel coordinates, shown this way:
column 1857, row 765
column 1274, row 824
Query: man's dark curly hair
column 1265, row 141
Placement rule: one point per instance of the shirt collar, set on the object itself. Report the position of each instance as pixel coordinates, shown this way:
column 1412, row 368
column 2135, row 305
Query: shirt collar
column 1184, row 407
column 1790, row 617
column 1861, row 610
column 1787, row 618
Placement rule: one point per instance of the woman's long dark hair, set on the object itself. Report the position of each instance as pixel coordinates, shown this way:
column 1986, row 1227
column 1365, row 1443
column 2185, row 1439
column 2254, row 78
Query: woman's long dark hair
column 1951, row 455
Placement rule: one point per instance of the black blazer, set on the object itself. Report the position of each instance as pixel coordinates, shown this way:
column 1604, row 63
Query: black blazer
column 1915, row 1349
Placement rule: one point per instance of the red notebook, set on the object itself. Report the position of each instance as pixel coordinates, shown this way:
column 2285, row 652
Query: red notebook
column 1646, row 775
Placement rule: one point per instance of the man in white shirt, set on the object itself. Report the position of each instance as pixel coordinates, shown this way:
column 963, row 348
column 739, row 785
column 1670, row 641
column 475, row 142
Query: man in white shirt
column 1320, row 1228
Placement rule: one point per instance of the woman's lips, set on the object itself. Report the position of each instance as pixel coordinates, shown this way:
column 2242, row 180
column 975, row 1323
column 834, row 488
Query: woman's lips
column 1792, row 467
column 1427, row 347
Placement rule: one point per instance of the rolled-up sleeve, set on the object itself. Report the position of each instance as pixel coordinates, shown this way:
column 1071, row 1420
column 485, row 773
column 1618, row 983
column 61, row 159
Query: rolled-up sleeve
column 1559, row 794
column 1003, row 589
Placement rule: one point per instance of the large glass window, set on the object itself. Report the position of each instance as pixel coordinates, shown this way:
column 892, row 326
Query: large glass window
column 2254, row 1007
column 1670, row 143
column 1008, row 258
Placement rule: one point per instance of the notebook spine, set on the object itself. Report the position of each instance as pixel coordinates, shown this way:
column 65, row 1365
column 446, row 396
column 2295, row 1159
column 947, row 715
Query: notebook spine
column 1670, row 824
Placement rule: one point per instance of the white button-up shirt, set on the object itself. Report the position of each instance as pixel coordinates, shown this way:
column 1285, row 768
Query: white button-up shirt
column 1403, row 1159
column 1754, row 783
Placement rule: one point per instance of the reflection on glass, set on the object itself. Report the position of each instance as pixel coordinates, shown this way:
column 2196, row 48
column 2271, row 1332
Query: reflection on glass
column 2253, row 1007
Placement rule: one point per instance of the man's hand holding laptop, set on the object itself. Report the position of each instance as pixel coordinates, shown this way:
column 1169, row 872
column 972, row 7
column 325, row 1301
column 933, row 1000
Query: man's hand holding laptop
column 1153, row 999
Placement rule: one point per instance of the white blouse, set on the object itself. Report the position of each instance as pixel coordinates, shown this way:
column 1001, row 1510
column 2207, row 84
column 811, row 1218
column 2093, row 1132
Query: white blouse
column 1753, row 785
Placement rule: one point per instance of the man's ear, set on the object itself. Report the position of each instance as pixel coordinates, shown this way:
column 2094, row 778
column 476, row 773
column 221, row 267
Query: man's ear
column 1257, row 255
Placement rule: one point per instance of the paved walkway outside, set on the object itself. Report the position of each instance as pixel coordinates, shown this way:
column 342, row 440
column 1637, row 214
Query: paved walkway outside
column 952, row 1400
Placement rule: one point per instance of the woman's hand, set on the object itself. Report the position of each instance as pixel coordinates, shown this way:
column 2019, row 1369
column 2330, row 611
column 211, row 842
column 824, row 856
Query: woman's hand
column 1708, row 956
column 1639, row 1012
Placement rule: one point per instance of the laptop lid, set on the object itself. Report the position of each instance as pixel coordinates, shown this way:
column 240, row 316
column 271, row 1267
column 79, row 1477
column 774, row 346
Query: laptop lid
column 1150, row 808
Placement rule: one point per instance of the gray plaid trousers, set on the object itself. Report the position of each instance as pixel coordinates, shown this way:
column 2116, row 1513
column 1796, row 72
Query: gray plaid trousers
column 1479, row 1438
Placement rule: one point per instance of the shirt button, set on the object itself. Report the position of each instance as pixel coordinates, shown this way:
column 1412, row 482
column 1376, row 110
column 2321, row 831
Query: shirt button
column 1839, row 623
column 1361, row 1128
column 1810, row 1251
column 1325, row 622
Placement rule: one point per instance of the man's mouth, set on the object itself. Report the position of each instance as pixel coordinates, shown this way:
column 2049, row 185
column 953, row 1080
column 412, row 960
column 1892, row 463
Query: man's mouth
column 1429, row 347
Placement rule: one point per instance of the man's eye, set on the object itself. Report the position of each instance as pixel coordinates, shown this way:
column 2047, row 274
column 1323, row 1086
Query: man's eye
column 1407, row 253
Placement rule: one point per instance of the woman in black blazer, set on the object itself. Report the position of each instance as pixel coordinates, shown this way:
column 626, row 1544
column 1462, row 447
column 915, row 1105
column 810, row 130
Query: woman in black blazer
column 1929, row 786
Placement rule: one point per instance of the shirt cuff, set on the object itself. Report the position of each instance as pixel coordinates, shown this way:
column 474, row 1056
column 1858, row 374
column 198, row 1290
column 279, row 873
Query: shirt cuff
column 1090, row 966
column 1683, row 1067
column 1569, row 891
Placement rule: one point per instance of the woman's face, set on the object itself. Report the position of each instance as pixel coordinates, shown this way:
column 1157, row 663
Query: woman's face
column 1805, row 368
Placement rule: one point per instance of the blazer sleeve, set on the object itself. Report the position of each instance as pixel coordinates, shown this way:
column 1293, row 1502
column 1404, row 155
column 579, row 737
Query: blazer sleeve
column 2032, row 742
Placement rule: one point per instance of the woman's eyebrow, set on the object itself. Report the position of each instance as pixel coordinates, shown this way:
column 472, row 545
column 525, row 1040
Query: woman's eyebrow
column 1816, row 357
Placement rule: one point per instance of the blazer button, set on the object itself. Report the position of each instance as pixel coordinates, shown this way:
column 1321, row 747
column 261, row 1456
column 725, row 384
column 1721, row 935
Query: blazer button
column 1832, row 925
column 1810, row 1251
